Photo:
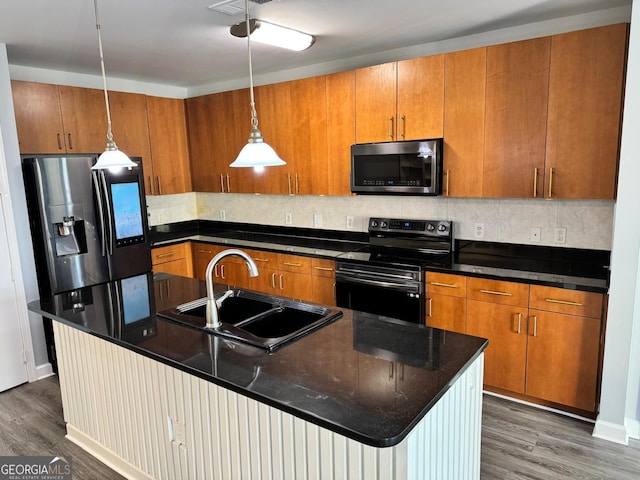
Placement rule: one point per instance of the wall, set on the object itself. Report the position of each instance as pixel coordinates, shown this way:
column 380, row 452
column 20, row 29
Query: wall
column 19, row 206
column 619, row 410
column 588, row 222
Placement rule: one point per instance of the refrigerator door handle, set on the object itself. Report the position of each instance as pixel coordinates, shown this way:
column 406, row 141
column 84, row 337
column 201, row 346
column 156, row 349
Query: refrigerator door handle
column 100, row 213
column 107, row 205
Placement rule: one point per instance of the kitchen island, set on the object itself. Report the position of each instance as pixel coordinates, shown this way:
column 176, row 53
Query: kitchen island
column 362, row 397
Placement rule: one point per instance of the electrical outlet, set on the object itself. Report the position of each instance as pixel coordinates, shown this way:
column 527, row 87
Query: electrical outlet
column 349, row 221
column 177, row 431
column 478, row 231
column 317, row 220
column 560, row 235
column 288, row 218
column 535, row 234
column 223, row 214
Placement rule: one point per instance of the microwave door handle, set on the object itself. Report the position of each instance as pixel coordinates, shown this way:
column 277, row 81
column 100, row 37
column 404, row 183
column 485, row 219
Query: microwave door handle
column 107, row 205
column 100, row 213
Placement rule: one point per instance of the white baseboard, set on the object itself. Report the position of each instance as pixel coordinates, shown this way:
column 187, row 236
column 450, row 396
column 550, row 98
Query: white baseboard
column 43, row 371
column 613, row 432
column 105, row 455
column 633, row 428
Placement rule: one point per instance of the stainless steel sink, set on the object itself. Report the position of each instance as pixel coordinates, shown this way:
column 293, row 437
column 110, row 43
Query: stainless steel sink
column 255, row 318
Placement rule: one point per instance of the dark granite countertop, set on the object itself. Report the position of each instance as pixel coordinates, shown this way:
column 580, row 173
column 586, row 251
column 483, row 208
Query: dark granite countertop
column 337, row 377
column 571, row 268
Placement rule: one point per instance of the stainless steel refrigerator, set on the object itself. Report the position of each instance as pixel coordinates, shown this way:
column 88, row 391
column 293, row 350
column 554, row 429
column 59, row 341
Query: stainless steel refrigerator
column 88, row 227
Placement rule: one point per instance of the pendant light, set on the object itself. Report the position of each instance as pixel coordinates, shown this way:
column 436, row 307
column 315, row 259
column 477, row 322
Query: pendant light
column 256, row 153
column 111, row 158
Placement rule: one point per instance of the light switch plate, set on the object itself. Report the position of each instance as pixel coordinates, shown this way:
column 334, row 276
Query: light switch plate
column 317, row 220
column 535, row 234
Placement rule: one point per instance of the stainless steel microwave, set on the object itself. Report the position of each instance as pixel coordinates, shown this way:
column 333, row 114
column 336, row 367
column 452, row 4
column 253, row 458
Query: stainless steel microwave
column 405, row 168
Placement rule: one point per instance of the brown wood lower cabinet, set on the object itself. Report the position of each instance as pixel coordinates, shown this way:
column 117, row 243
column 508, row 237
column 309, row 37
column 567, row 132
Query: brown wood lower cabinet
column 544, row 342
column 174, row 259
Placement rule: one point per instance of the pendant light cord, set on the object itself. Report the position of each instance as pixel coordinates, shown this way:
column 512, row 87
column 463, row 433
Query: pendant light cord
column 104, row 76
column 254, row 114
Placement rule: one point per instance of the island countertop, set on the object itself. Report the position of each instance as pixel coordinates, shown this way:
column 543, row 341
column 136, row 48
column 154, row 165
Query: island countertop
column 363, row 376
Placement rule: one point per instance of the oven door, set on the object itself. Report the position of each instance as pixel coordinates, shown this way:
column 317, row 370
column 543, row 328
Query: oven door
column 380, row 294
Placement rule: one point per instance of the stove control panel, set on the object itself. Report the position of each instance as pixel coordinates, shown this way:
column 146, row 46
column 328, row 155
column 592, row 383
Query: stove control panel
column 434, row 228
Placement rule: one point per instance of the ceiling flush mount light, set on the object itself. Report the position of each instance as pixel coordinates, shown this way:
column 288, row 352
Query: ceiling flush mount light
column 276, row 35
column 111, row 158
column 256, row 153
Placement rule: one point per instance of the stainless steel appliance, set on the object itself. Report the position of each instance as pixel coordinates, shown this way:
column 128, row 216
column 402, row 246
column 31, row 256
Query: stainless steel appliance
column 387, row 276
column 411, row 167
column 88, row 227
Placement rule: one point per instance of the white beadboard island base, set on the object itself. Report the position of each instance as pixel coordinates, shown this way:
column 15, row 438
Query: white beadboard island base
column 147, row 420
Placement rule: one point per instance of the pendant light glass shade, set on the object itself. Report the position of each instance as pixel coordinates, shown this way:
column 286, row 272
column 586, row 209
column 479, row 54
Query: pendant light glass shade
column 111, row 158
column 256, row 153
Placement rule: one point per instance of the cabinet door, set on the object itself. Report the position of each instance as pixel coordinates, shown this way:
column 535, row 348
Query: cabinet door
column 585, row 102
column 309, row 165
column 447, row 313
column 516, row 118
column 131, row 130
column 202, row 255
column 295, row 285
column 205, row 119
column 562, row 359
column 38, row 117
column 505, row 327
column 273, row 103
column 341, row 130
column 420, row 98
column 236, row 133
column 84, row 117
column 323, row 290
column 465, row 79
column 169, row 150
column 376, row 103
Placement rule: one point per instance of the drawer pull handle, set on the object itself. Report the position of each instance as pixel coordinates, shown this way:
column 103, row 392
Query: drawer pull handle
column 448, row 285
column 205, row 251
column 492, row 292
column 289, row 264
column 260, row 259
column 563, row 302
column 326, row 269
column 162, row 255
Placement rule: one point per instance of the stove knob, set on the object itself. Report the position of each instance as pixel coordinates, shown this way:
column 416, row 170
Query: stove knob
column 384, row 225
column 442, row 227
column 430, row 227
column 374, row 223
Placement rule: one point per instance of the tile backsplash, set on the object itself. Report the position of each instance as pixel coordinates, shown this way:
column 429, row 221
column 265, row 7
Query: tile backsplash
column 588, row 223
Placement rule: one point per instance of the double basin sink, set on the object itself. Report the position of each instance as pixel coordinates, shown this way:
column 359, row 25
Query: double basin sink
column 256, row 319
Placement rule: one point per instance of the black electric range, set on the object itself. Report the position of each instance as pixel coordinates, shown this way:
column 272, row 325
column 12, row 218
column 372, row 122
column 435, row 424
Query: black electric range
column 387, row 276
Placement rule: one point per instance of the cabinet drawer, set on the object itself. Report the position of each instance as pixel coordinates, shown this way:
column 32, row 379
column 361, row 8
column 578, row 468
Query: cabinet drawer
column 497, row 291
column 169, row 253
column 263, row 259
column 446, row 284
column 561, row 300
column 321, row 267
column 294, row 263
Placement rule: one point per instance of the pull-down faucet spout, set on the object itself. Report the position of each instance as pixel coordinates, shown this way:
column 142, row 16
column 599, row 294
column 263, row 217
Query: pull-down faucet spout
column 212, row 317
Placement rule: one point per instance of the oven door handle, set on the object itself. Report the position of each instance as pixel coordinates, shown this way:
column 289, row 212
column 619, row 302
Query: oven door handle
column 349, row 271
column 404, row 287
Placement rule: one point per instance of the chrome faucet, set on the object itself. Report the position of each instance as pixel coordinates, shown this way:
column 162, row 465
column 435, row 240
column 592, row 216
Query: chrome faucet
column 213, row 320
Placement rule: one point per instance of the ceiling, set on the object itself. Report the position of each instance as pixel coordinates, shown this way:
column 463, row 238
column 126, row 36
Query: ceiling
column 183, row 43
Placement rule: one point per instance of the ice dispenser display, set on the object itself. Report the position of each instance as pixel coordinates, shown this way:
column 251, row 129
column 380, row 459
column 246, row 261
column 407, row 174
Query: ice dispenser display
column 69, row 236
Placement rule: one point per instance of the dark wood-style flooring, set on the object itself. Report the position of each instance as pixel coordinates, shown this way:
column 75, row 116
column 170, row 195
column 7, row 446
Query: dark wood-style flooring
column 518, row 442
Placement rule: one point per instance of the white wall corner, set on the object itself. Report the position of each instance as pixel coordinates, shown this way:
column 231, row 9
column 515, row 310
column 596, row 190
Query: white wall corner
column 612, row 432
column 632, row 426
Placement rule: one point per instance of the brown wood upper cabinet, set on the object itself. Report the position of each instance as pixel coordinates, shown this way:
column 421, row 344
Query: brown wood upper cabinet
column 464, row 106
column 218, row 127
column 516, row 118
column 585, row 102
column 169, row 150
column 341, row 130
column 57, row 118
column 400, row 100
